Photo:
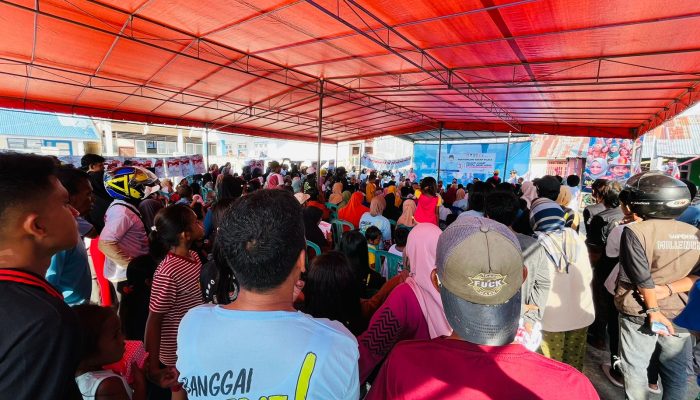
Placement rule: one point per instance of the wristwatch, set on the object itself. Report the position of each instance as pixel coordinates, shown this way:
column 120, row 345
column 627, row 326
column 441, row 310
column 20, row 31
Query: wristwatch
column 652, row 310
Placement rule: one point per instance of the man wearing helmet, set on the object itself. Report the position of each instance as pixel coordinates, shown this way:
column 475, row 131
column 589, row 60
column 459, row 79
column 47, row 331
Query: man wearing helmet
column 124, row 235
column 660, row 260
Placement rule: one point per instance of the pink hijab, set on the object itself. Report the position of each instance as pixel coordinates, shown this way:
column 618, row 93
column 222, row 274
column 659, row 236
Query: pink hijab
column 420, row 251
column 529, row 193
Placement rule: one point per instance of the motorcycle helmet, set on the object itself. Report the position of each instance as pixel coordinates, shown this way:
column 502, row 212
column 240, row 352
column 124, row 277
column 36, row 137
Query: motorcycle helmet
column 653, row 195
column 130, row 183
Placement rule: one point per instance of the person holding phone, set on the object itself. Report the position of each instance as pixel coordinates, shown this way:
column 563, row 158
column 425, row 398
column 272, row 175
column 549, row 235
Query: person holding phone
column 656, row 252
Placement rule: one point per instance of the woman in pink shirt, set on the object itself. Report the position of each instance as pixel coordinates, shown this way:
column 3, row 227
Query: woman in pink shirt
column 413, row 310
column 428, row 202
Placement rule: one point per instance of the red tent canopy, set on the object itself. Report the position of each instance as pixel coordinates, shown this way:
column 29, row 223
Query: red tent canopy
column 568, row 67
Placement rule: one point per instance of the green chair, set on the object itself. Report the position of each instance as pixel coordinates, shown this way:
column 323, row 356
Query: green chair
column 314, row 247
column 394, row 263
column 338, row 227
column 334, row 210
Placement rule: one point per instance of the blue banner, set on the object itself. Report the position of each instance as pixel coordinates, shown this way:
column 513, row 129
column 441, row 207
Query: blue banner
column 465, row 162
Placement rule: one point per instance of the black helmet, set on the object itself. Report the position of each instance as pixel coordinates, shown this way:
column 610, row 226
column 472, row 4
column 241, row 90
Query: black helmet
column 653, row 195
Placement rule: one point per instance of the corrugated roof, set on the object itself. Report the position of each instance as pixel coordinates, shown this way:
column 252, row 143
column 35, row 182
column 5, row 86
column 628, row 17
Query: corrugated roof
column 47, row 126
column 679, row 137
column 559, row 147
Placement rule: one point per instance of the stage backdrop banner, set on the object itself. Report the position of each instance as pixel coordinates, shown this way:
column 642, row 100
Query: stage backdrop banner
column 466, row 161
column 379, row 164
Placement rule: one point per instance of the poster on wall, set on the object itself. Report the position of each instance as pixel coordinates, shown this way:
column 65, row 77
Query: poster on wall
column 172, row 167
column 465, row 162
column 159, row 168
column 198, row 166
column 186, row 166
column 608, row 159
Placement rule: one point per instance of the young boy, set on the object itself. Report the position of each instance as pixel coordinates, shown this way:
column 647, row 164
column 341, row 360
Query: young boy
column 40, row 346
column 69, row 271
column 374, row 238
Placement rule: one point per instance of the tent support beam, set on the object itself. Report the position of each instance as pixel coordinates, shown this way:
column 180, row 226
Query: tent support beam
column 439, row 152
column 505, row 167
column 321, row 86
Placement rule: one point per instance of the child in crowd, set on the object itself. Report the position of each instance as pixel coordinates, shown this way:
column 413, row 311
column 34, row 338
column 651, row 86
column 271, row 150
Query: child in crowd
column 400, row 239
column 103, row 344
column 428, row 202
column 374, row 240
column 175, row 289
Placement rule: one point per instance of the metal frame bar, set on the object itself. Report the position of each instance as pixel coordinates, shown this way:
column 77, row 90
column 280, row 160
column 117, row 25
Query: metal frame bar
column 440, row 72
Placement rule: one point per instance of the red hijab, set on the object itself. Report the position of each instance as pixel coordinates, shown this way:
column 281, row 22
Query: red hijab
column 353, row 211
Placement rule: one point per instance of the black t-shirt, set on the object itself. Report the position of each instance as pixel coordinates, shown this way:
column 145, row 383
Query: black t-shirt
column 601, row 225
column 39, row 342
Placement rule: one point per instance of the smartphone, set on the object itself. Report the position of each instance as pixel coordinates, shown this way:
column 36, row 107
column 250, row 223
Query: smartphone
column 658, row 327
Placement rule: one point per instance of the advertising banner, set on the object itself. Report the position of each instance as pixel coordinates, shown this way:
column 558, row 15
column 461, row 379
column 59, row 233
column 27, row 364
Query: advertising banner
column 466, row 161
column 379, row 164
column 608, row 159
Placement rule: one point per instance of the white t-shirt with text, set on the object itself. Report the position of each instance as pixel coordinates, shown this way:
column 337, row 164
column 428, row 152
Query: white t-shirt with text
column 230, row 354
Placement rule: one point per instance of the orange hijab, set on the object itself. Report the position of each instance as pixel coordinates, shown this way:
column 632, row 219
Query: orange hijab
column 353, row 211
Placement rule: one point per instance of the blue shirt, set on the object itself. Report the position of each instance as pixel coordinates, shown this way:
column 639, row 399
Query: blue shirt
column 69, row 273
column 691, row 216
column 379, row 221
column 230, row 354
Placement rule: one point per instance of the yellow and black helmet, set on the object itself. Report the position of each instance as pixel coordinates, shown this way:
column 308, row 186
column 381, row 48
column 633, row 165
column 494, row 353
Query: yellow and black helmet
column 130, row 183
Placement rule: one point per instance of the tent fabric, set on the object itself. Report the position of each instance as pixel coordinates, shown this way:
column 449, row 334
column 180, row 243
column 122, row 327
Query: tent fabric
column 560, row 67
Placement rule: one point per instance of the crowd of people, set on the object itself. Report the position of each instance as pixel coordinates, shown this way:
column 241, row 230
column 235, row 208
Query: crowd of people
column 280, row 283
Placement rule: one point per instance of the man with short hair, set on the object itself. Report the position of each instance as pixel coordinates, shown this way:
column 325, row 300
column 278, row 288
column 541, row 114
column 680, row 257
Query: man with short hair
column 69, row 271
column 548, row 187
column 259, row 346
column 480, row 294
column 40, row 340
column 503, row 207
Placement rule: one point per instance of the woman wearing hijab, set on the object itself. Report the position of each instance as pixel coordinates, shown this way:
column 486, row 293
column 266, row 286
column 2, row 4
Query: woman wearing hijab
column 571, row 216
column 397, row 198
column 450, row 196
column 569, row 310
column 346, row 199
column 375, row 218
column 354, row 210
column 406, row 219
column 460, row 200
column 413, row 307
column 529, row 193
column 312, row 217
column 391, row 211
column 336, row 196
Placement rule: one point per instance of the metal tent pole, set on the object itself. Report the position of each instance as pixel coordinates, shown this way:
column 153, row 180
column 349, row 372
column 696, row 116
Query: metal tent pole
column 505, row 167
column 320, row 130
column 439, row 150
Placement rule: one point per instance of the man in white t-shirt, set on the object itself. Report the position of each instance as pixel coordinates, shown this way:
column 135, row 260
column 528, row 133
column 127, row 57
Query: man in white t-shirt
column 259, row 346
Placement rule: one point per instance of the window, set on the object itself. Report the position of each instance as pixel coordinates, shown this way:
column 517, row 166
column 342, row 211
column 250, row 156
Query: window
column 166, row 147
column 212, row 148
column 193, row 148
column 140, row 147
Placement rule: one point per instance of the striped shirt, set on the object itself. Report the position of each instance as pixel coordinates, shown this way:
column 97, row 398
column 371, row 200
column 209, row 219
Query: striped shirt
column 175, row 291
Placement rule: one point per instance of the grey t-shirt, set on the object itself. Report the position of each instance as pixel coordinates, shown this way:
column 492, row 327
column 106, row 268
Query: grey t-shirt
column 535, row 291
